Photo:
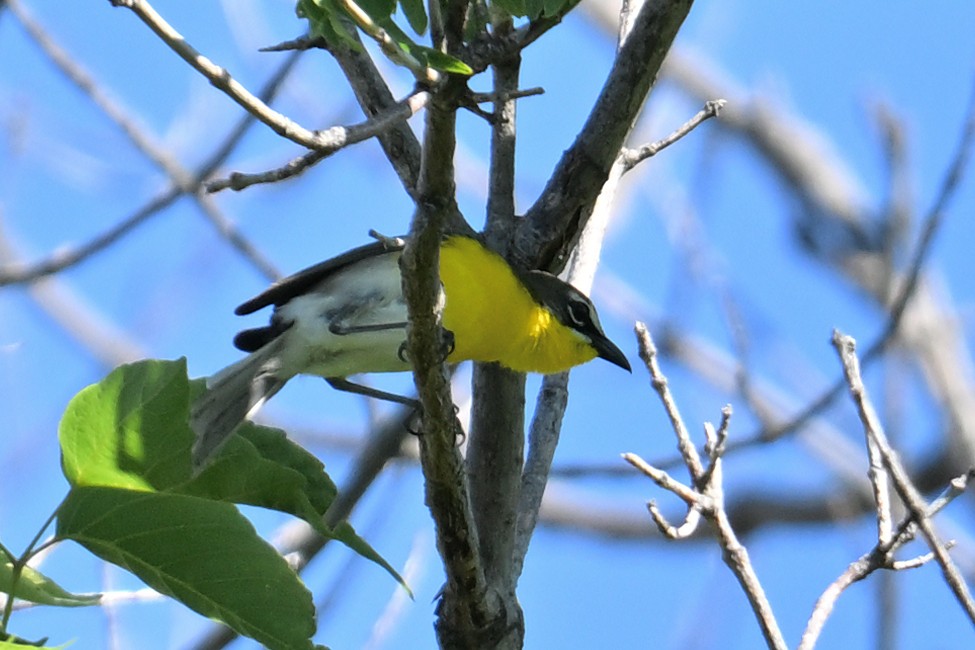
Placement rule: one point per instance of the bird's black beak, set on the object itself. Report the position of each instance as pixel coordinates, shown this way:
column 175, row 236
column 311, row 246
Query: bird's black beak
column 606, row 349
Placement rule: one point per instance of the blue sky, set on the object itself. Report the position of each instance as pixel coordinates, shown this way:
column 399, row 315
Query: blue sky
column 169, row 288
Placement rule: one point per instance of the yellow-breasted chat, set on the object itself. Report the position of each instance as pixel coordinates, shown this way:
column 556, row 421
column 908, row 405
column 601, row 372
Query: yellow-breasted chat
column 347, row 316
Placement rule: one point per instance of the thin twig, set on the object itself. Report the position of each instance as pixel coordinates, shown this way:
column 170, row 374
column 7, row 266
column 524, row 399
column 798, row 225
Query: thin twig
column 494, row 97
column 706, row 496
column 328, row 140
column 689, row 526
column 648, row 353
column 633, row 157
column 344, row 136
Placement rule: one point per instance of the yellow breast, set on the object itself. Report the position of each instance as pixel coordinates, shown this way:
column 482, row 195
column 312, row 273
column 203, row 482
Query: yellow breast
column 494, row 318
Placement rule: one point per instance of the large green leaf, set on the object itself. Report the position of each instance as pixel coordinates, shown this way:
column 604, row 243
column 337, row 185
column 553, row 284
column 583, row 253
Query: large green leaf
column 130, row 430
column 328, row 20
column 261, row 467
column 35, row 587
column 441, row 61
column 202, row 552
column 553, row 7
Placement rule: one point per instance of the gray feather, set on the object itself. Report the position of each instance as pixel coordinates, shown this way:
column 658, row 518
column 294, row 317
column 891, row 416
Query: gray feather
column 232, row 394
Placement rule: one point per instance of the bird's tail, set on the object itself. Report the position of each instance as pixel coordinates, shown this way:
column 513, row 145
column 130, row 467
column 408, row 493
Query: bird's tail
column 231, row 395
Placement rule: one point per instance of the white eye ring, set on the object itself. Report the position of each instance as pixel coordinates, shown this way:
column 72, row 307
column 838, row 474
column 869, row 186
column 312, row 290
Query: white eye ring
column 579, row 312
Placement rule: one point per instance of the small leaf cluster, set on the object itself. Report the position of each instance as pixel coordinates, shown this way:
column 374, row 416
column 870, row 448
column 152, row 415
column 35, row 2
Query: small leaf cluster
column 135, row 501
column 333, row 21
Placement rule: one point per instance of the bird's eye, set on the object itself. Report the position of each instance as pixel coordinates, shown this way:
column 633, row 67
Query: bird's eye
column 579, row 313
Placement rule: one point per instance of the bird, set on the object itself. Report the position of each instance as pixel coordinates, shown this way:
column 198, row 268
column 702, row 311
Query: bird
column 347, row 316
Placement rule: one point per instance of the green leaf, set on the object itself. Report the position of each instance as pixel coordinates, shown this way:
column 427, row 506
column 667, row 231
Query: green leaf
column 261, row 467
column 12, row 642
column 416, row 14
column 553, row 7
column 533, row 8
column 441, row 61
column 203, row 553
column 130, row 430
column 35, row 587
column 327, row 21
column 378, row 10
column 514, row 7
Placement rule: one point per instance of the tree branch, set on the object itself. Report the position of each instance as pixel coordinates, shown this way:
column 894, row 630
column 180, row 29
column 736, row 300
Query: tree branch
column 554, row 221
column 704, row 495
column 495, row 452
column 345, row 135
column 633, row 157
column 880, row 557
column 329, row 140
column 465, row 610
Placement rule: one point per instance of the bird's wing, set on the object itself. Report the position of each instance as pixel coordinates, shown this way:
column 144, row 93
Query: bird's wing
column 301, row 282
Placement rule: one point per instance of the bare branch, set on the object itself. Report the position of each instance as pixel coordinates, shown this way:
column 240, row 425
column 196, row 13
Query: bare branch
column 706, row 496
column 689, row 495
column 648, row 352
column 633, row 157
column 328, row 140
column 555, row 220
column 880, row 557
column 689, row 526
column 543, row 437
column 466, row 607
column 495, row 452
column 345, row 136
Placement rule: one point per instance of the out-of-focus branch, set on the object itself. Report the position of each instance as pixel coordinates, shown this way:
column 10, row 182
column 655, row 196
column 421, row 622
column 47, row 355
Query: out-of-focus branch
column 918, row 316
column 880, row 557
column 182, row 180
column 106, row 343
column 908, row 493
